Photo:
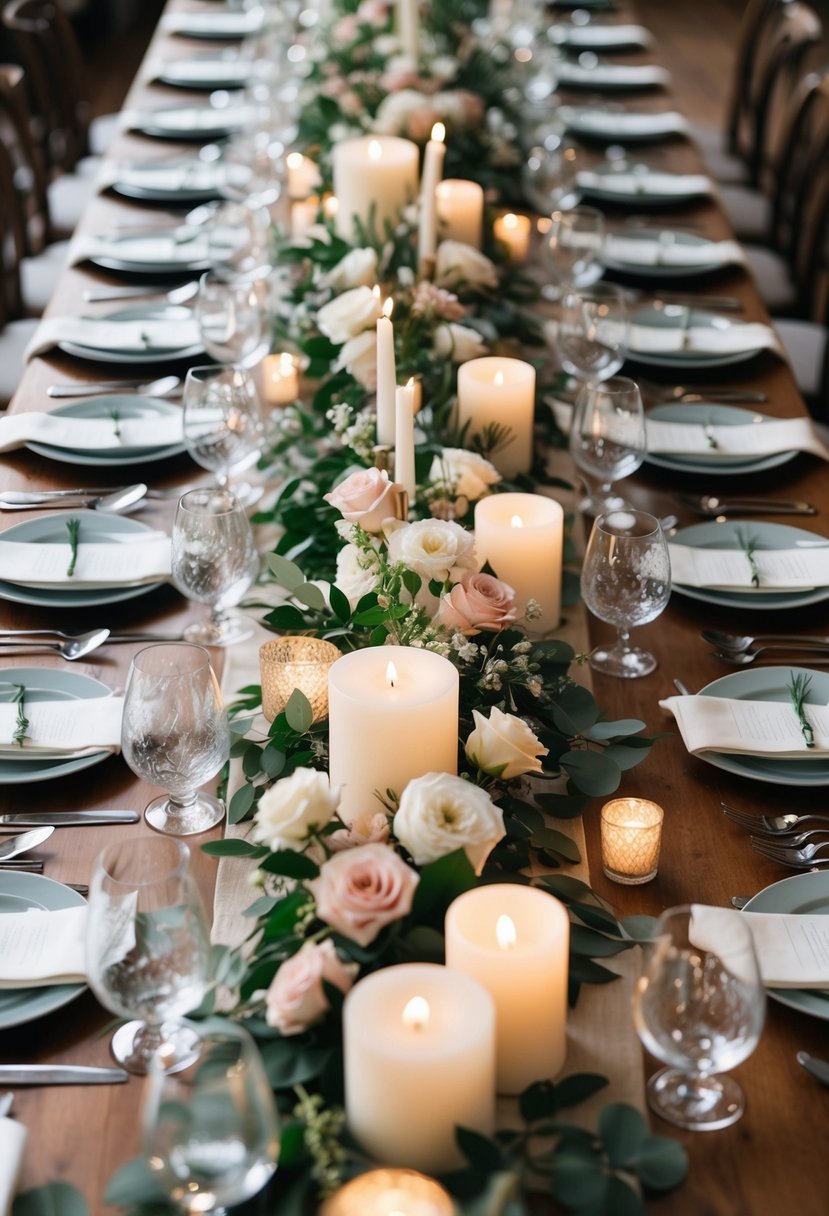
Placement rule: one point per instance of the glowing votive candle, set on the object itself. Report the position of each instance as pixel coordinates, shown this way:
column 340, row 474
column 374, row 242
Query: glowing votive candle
column 514, row 231
column 303, row 175
column 522, row 538
column 393, row 716
column 433, row 159
column 515, row 941
column 460, row 208
column 390, row 1193
column 280, row 378
column 375, row 177
column 631, row 831
column 419, row 1050
column 288, row 663
column 496, row 391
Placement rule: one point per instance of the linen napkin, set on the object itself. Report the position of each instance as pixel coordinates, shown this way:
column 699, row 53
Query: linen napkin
column 723, row 338
column 12, row 1146
column 792, row 951
column 58, row 729
column 183, row 175
column 40, row 948
column 622, row 75
column 644, row 251
column 89, row 434
column 726, row 569
column 167, row 335
column 220, row 71
column 648, row 181
column 187, row 119
column 181, row 248
column 123, row 562
column 748, row 728
column 587, row 37
column 624, row 123
column 726, row 442
column 214, row 25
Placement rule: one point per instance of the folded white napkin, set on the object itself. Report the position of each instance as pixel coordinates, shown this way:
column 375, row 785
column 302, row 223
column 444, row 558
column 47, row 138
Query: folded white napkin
column 724, row 338
column 188, row 246
column 218, row 24
column 119, row 337
column 724, row 569
column 219, row 71
column 40, row 948
column 668, row 252
column 623, row 74
column 60, row 729
column 726, row 442
column 748, row 728
column 185, row 119
column 127, row 562
column 585, row 37
column 89, row 434
column 12, row 1146
column 646, row 182
column 792, row 951
column 627, row 122
column 183, row 175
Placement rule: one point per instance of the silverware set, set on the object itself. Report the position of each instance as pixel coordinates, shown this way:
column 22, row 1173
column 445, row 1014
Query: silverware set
column 775, row 837
column 741, row 650
column 164, row 386
column 712, row 505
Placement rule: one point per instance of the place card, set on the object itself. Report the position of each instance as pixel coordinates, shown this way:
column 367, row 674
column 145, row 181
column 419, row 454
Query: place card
column 40, row 948
column 130, row 563
column 793, row 951
column 120, row 337
column 89, row 434
column 727, row 569
column 60, row 728
column 762, row 438
column 748, row 728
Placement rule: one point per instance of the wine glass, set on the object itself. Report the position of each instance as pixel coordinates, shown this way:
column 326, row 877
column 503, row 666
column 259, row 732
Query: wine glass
column 211, row 1130
column 232, row 318
column 221, row 420
column 239, row 240
column 549, row 173
column 593, row 331
column 147, row 947
column 607, row 437
column 572, row 246
column 626, row 581
column 699, row 1007
column 174, row 733
column 213, row 561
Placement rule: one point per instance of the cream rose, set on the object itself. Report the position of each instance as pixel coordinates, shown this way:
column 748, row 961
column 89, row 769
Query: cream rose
column 296, row 998
column 356, row 573
column 359, row 358
column 365, row 498
column 293, row 808
column 503, row 745
column 349, row 314
column 440, row 813
column 458, row 264
column 433, row 548
column 459, row 343
column 360, row 891
column 465, row 474
column 357, row 269
column 478, row 601
column 367, row 829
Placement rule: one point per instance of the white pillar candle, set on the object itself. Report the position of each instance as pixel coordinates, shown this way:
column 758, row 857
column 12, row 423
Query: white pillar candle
column 280, row 379
column 303, row 175
column 386, row 375
column 514, row 231
column 303, row 216
column 460, row 211
column 404, row 444
column 433, row 159
column 419, row 1050
column 408, row 27
column 515, row 941
column 390, row 1192
column 500, row 391
column 375, row 177
column 393, row 716
column 521, row 536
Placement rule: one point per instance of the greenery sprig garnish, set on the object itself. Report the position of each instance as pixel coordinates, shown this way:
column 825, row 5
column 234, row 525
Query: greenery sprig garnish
column 115, row 415
column 710, row 437
column 799, row 686
column 73, row 527
column 21, row 726
column 748, row 544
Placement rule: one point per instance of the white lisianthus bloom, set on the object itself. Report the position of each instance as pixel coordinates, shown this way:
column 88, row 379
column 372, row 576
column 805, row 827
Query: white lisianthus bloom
column 440, row 813
column 348, row 315
column 456, row 264
column 359, row 357
column 356, row 573
column 467, row 474
column 460, row 343
column 433, row 548
column 503, row 745
column 357, row 269
column 292, row 809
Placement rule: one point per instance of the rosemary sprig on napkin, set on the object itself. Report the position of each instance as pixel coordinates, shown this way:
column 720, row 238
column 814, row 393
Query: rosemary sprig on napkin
column 21, row 725
column 115, row 415
column 748, row 544
column 799, row 686
column 710, row 437
column 73, row 527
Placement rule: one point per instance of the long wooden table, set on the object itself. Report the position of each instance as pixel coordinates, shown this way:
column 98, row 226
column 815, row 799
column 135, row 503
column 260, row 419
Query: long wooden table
column 774, row 1159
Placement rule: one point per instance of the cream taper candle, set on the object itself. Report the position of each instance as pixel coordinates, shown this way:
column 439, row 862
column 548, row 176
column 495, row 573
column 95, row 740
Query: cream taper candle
column 408, row 28
column 404, row 444
column 496, row 391
column 521, row 536
column 433, row 159
column 375, row 177
column 386, row 375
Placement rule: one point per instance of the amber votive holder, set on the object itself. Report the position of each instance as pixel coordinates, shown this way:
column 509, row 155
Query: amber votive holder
column 288, row 663
column 631, row 831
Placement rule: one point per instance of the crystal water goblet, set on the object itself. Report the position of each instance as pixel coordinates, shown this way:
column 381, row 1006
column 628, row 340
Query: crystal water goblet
column 607, row 437
column 214, row 562
column 147, row 947
column 593, row 331
column 211, row 1130
column 231, row 314
column 239, row 240
column 222, row 422
column 699, row 1007
column 175, row 734
column 572, row 246
column 625, row 581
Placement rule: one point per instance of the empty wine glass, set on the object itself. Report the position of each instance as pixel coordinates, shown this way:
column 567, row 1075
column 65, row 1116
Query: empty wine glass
column 549, row 173
column 699, row 1007
column 607, row 437
column 221, row 420
column 239, row 240
column 572, row 245
column 213, row 561
column 593, row 331
column 147, row 947
column 232, row 318
column 211, row 1130
column 174, row 733
column 626, row 581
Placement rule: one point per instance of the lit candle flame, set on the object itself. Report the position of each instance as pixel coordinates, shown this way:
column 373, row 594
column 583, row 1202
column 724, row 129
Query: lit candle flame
column 410, row 383
column 375, row 291
column 295, row 160
column 438, row 132
column 375, row 150
column 416, row 1014
column 286, row 364
column 505, row 933
column 516, row 522
column 498, row 379
column 388, row 306
column 510, row 220
column 391, row 674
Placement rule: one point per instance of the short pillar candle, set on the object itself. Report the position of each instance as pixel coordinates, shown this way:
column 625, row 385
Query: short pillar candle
column 631, row 830
column 514, row 231
column 460, row 208
column 521, row 536
column 280, row 378
column 496, row 391
column 515, row 940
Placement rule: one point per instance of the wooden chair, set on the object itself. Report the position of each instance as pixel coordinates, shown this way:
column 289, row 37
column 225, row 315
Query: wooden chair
column 15, row 330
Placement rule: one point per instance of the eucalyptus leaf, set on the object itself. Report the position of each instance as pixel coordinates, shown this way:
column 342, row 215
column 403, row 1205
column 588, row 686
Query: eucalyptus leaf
column 661, row 1163
column 53, row 1199
column 310, row 594
column 639, row 928
column 593, row 944
column 481, row 1152
column 134, row 1183
column 298, row 711
column 624, row 1131
column 241, row 803
column 287, row 1062
column 570, row 1091
column 592, row 772
column 556, row 842
column 611, row 730
column 578, row 1179
column 626, row 757
column 290, row 864
column 286, row 572
column 234, row 848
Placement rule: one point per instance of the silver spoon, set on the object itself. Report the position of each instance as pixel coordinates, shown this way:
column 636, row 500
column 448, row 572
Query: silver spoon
column 748, row 657
column 114, row 502
column 738, row 643
column 176, row 295
column 24, row 842
column 70, row 650
column 151, row 388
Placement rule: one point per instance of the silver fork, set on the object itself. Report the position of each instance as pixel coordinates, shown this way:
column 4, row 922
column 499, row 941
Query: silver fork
column 772, row 825
column 797, row 859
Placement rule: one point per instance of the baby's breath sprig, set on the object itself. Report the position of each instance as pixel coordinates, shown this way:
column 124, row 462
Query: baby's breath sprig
column 799, row 686
column 73, row 527
column 323, row 1131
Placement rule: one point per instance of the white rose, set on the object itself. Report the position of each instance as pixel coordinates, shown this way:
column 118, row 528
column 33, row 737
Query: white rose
column 293, row 808
column 349, row 314
column 458, row 342
column 440, row 813
column 433, row 548
column 357, row 269
column 467, row 474
column 397, row 109
column 359, row 358
column 456, row 263
column 503, row 745
column 356, row 573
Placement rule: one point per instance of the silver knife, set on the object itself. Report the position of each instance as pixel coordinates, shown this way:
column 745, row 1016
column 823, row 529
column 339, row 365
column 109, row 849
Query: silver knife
column 65, row 819
column 60, row 1074
column 818, row 1068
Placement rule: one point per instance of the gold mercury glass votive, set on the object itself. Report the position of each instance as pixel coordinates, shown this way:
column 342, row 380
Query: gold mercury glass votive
column 631, row 836
column 391, row 1192
column 295, row 662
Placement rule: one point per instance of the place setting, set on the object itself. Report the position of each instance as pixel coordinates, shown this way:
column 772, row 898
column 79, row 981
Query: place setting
column 181, row 180
column 219, row 24
column 677, row 336
column 596, row 35
column 724, row 440
column 180, row 250
column 589, row 71
column 622, row 182
column 192, row 122
column 227, row 69
column 614, row 123
column 667, row 253
column 127, row 336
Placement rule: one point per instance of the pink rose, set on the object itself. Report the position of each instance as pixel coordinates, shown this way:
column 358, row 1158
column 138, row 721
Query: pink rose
column 296, row 998
column 346, row 30
column 370, row 829
column 361, row 890
column 421, row 123
column 478, row 601
column 365, row 498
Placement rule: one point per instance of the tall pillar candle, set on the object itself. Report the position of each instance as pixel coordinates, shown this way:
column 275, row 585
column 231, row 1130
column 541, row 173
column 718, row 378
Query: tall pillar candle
column 496, row 391
column 393, row 716
column 375, row 177
column 460, row 211
column 521, row 536
column 433, row 159
column 386, row 376
column 404, row 444
column 514, row 940
column 419, row 1052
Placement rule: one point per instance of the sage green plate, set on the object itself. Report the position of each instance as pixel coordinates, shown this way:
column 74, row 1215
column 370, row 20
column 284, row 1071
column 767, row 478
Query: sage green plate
column 17, row 893
column 128, row 406
column 671, row 316
column 808, row 895
column 712, row 414
column 662, row 270
column 49, row 684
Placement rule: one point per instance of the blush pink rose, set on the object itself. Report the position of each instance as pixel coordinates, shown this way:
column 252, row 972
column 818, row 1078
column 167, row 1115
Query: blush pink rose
column 478, row 601
column 365, row 498
column 296, row 998
column 370, row 829
column 360, row 891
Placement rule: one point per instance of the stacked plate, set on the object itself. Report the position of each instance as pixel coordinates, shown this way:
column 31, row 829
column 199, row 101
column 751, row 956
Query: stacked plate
column 711, row 414
column 120, row 405
column 47, row 684
column 18, row 893
column 152, row 350
column 803, row 895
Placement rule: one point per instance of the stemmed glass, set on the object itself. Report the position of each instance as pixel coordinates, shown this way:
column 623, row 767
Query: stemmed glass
column 147, row 947
column 213, row 561
column 174, row 733
column 573, row 245
column 239, row 240
column 211, row 1129
column 232, row 318
column 221, row 420
column 626, row 581
column 593, row 331
column 699, row 1007
column 607, row 437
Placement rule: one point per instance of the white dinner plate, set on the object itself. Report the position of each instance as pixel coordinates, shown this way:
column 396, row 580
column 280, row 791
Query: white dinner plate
column 189, row 179
column 191, row 122
column 17, row 893
column 804, row 895
column 185, row 252
column 128, row 406
column 213, row 70
column 49, row 684
column 712, row 414
column 149, row 354
column 672, row 317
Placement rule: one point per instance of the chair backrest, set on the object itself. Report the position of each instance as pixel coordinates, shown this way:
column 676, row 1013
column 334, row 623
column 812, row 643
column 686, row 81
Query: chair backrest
column 11, row 242
column 757, row 14
column 803, row 149
column 30, row 176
